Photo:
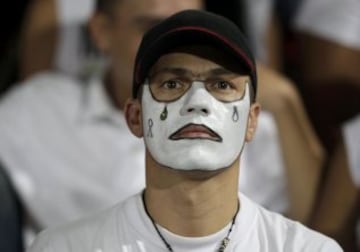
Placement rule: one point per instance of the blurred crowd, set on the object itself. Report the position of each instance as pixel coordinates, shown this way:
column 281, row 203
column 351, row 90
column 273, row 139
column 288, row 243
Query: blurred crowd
column 66, row 72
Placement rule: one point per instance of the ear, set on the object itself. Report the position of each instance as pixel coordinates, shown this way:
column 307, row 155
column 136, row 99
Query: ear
column 99, row 27
column 133, row 118
column 252, row 121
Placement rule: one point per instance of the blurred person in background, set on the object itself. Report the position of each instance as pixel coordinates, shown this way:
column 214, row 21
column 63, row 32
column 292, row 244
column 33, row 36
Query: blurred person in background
column 329, row 63
column 329, row 40
column 337, row 211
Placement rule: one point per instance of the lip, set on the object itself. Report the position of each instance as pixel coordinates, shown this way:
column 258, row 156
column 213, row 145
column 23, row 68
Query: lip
column 195, row 131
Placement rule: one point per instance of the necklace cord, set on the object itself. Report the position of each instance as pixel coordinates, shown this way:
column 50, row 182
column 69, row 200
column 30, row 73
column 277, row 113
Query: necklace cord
column 224, row 241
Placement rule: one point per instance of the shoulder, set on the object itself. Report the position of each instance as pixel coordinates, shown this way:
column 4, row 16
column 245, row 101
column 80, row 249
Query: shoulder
column 45, row 82
column 38, row 97
column 302, row 238
column 283, row 234
column 40, row 88
column 76, row 236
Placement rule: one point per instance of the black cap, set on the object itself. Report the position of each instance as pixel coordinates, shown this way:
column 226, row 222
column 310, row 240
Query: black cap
column 191, row 27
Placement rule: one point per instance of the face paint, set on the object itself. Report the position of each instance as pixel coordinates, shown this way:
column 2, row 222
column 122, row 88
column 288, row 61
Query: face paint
column 235, row 116
column 150, row 125
column 199, row 133
column 163, row 115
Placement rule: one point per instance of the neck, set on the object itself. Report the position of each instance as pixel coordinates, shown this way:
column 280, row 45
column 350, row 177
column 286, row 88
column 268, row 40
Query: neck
column 190, row 203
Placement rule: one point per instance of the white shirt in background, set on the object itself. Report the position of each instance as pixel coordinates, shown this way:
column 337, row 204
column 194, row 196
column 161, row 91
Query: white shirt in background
column 351, row 133
column 74, row 12
column 336, row 20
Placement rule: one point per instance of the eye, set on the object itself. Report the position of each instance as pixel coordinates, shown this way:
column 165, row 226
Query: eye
column 171, row 84
column 222, row 85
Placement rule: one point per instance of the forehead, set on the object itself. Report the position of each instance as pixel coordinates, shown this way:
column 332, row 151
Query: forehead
column 160, row 8
column 198, row 60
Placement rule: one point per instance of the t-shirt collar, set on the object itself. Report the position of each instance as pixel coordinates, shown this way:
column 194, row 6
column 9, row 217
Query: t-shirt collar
column 245, row 222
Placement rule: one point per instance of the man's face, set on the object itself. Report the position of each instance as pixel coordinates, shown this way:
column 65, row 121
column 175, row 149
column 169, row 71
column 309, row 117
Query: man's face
column 195, row 111
column 131, row 19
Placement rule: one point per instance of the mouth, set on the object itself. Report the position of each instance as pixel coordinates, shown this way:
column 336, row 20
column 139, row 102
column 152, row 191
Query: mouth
column 196, row 131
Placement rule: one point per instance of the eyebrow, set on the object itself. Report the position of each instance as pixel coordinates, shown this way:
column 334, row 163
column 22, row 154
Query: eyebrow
column 220, row 71
column 186, row 72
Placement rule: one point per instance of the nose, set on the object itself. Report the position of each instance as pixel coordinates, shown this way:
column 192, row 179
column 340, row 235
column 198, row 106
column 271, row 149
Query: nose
column 197, row 101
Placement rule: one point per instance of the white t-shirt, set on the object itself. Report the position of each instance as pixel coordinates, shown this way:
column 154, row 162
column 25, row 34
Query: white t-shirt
column 126, row 227
column 74, row 12
column 336, row 20
column 351, row 132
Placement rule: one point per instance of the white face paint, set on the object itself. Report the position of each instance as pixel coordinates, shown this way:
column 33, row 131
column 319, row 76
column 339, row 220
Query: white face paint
column 193, row 148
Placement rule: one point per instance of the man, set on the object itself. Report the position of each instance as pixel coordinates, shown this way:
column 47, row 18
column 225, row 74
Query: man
column 194, row 104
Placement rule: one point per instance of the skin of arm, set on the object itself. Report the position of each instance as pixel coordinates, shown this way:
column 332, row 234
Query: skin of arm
column 338, row 204
column 324, row 60
column 38, row 38
column 331, row 84
column 302, row 153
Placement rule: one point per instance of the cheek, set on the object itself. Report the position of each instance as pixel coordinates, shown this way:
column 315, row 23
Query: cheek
column 124, row 50
column 123, row 57
column 125, row 43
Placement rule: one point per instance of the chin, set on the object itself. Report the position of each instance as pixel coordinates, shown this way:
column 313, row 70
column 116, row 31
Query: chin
column 198, row 163
column 200, row 175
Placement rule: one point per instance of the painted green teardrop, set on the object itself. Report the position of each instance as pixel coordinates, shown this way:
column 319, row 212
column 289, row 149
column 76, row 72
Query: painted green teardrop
column 164, row 114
